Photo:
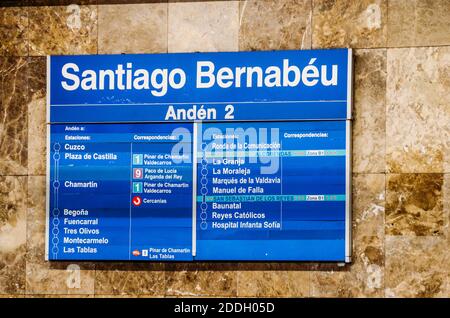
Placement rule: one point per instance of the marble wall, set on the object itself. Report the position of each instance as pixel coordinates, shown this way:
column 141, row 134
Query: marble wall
column 401, row 143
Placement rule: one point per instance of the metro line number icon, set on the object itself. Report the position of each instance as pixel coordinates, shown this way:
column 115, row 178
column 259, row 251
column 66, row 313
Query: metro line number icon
column 138, row 173
column 137, row 159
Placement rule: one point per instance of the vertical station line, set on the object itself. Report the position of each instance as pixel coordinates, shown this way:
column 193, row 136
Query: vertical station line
column 194, row 187
column 281, row 183
column 348, row 192
column 47, row 178
column 131, row 190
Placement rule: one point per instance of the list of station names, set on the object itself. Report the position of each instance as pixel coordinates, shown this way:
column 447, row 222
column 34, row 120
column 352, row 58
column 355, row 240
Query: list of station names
column 233, row 191
column 265, row 188
column 113, row 188
column 126, row 191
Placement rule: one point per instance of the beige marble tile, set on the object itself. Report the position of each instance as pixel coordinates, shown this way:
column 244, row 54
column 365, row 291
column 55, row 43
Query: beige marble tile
column 12, row 296
column 204, row 26
column 36, row 217
column 342, row 23
column 59, row 296
column 368, row 208
column 447, row 230
column 37, row 107
column 418, row 110
column 50, row 278
column 369, row 111
column 13, row 26
column 418, row 23
column 67, row 2
column 332, row 284
column 132, row 279
column 275, row 25
column 446, row 205
column 13, row 115
column 132, row 28
column 62, row 278
column 13, row 192
column 64, row 2
column 365, row 276
column 201, row 279
column 129, row 296
column 446, row 294
column 416, row 266
column 414, row 204
column 273, row 280
column 70, row 29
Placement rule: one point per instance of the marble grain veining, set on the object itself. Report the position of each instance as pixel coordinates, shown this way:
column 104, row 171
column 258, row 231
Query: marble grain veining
column 273, row 280
column 446, row 205
column 13, row 115
column 13, row 224
column 418, row 23
column 37, row 107
column 275, row 25
column 369, row 111
column 200, row 279
column 68, row 29
column 132, row 28
column 414, row 204
column 133, row 279
column 13, row 27
column 36, row 219
column 418, row 110
column 417, row 267
column 365, row 276
column 204, row 26
column 342, row 23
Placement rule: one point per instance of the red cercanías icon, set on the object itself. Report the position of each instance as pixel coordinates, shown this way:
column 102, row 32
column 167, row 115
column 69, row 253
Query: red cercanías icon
column 137, row 201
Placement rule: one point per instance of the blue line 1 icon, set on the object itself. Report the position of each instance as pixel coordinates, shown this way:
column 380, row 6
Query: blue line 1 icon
column 137, row 187
column 138, row 159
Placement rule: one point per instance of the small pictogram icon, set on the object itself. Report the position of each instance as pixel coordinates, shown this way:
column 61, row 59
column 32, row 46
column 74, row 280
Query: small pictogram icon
column 136, row 253
column 138, row 173
column 137, row 187
column 138, row 159
column 137, row 201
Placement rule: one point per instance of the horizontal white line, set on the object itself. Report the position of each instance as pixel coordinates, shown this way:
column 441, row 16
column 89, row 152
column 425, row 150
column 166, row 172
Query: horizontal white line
column 203, row 103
